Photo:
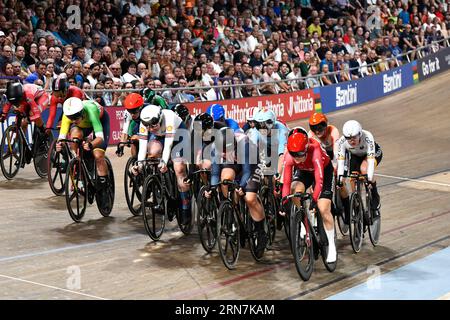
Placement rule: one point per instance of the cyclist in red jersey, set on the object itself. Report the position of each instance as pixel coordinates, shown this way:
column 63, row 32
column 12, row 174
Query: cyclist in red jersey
column 27, row 99
column 61, row 92
column 312, row 165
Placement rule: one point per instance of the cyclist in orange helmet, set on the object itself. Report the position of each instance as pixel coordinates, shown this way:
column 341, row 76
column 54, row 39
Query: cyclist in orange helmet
column 133, row 103
column 324, row 133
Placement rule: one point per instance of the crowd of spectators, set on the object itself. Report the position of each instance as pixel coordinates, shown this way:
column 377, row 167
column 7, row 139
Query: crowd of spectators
column 131, row 44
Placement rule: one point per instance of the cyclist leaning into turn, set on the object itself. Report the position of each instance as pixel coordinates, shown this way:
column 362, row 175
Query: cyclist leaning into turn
column 156, row 139
column 81, row 118
column 312, row 165
column 133, row 104
column 364, row 153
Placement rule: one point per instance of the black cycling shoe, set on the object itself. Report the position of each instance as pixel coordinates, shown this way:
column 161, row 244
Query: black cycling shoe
column 375, row 203
column 262, row 239
column 185, row 216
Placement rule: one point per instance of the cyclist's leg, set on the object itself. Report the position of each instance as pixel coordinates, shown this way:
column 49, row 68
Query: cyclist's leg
column 363, row 168
column 355, row 164
column 228, row 173
column 301, row 181
column 256, row 210
column 324, row 205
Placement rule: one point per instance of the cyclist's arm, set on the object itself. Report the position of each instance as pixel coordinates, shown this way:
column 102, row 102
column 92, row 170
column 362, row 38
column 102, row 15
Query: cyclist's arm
column 334, row 138
column 160, row 101
column 169, row 137
column 126, row 125
column 318, row 173
column 6, row 108
column 94, row 117
column 282, row 138
column 340, row 146
column 65, row 126
column 52, row 112
column 34, row 108
column 143, row 138
column 370, row 155
column 246, row 167
column 287, row 175
column 233, row 125
column 215, row 169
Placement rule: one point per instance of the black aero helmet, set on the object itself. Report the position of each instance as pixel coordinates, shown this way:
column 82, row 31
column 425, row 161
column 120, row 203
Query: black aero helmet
column 60, row 84
column 182, row 111
column 206, row 120
column 14, row 92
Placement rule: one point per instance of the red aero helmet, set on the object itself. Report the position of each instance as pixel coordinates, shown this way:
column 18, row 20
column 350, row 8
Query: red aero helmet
column 133, row 101
column 297, row 143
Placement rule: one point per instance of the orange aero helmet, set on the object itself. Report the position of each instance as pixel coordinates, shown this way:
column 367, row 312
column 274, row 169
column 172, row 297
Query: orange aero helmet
column 133, row 101
column 318, row 122
column 317, row 118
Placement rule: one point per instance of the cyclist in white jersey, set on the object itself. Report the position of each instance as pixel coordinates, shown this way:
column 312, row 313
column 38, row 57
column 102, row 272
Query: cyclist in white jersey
column 364, row 154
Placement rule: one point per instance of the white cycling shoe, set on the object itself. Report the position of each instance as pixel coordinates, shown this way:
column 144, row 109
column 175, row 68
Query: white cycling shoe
column 332, row 253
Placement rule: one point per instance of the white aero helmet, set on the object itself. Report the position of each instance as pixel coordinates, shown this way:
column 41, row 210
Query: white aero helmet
column 352, row 128
column 265, row 115
column 73, row 107
column 151, row 115
column 250, row 113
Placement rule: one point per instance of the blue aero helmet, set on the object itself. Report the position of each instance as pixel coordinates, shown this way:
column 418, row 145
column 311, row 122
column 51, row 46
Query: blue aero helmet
column 216, row 111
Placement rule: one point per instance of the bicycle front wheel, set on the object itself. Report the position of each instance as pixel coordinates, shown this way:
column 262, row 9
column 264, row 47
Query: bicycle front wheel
column 57, row 163
column 356, row 223
column 153, row 207
column 12, row 152
column 228, row 234
column 133, row 188
column 302, row 244
column 40, row 156
column 76, row 190
column 268, row 202
column 207, row 220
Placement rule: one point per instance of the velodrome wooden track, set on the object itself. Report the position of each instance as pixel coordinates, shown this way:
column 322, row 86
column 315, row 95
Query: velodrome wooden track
column 41, row 249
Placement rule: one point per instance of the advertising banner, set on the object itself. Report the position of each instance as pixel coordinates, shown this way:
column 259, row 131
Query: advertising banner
column 433, row 64
column 351, row 93
column 287, row 106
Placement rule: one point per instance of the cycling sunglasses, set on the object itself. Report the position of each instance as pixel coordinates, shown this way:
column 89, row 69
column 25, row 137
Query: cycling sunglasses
column 352, row 138
column 75, row 116
column 299, row 154
column 152, row 123
column 318, row 127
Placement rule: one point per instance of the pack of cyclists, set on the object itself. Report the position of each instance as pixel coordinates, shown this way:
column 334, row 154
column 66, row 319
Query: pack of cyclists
column 299, row 159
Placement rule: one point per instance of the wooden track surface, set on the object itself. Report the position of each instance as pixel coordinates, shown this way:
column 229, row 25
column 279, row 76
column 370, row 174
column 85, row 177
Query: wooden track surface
column 42, row 250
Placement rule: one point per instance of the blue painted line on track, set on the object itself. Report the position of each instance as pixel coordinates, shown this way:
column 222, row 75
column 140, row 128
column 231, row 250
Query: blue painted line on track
column 424, row 279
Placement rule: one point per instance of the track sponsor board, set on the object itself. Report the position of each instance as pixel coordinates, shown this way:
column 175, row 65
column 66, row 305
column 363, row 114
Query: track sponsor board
column 433, row 64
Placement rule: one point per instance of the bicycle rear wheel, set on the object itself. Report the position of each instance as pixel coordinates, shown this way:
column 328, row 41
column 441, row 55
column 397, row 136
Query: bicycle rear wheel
column 12, row 152
column 105, row 210
column 228, row 234
column 356, row 223
column 57, row 163
column 133, row 188
column 40, row 156
column 302, row 244
column 207, row 220
column 153, row 207
column 76, row 190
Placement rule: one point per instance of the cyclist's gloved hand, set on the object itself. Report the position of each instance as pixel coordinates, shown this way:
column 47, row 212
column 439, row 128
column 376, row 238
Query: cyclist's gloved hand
column 312, row 205
column 340, row 181
column 240, row 191
column 137, row 168
column 119, row 151
column 58, row 146
column 87, row 146
column 2, row 117
column 209, row 191
column 188, row 179
column 162, row 166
